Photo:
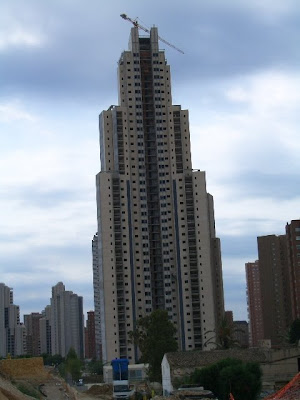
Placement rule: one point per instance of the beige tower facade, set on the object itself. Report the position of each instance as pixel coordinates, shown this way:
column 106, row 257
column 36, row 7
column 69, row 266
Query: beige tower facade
column 12, row 333
column 45, row 331
column 67, row 323
column 156, row 232
column 6, row 300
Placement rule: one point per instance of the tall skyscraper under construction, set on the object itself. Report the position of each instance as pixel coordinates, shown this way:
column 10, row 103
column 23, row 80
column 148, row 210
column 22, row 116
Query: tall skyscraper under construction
column 156, row 232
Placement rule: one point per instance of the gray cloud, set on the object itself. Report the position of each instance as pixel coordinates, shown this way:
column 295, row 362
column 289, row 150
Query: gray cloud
column 235, row 296
column 234, row 246
column 73, row 61
column 45, row 199
column 277, row 186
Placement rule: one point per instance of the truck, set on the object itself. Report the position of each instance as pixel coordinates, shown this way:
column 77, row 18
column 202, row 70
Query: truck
column 121, row 386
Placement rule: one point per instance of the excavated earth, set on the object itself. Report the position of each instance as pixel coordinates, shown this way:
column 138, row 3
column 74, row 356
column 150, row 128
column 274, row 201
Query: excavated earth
column 29, row 375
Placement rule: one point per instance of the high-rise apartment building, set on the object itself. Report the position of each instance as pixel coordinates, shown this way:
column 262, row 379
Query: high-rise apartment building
column 254, row 304
column 229, row 318
column 272, row 285
column 241, row 333
column 6, row 298
column 96, row 285
column 12, row 333
column 293, row 248
column 67, row 324
column 90, row 343
column 156, row 232
column 275, row 289
column 32, row 324
column 45, row 331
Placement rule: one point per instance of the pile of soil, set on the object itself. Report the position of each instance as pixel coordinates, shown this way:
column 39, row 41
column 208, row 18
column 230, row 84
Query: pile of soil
column 22, row 368
column 96, row 390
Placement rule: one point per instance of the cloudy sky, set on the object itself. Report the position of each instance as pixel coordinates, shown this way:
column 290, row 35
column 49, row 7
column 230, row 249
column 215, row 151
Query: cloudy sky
column 239, row 78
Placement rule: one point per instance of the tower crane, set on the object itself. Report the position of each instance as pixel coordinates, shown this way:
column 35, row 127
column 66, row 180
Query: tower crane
column 138, row 25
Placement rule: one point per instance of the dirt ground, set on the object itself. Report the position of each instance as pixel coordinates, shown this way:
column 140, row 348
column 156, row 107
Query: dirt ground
column 51, row 387
column 29, row 376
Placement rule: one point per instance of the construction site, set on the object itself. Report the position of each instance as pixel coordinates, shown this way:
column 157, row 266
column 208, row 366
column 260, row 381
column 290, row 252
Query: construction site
column 28, row 378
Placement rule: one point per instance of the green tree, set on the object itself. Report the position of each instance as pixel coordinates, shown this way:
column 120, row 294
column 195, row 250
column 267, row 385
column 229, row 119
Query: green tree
column 52, row 360
column 72, row 365
column 224, row 336
column 234, row 376
column 95, row 367
column 155, row 336
column 294, row 332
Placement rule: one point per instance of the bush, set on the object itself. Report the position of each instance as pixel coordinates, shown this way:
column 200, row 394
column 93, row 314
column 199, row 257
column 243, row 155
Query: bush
column 241, row 379
column 52, row 360
column 28, row 390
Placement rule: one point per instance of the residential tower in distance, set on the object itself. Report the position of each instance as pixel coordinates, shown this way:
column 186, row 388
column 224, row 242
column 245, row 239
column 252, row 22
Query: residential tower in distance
column 12, row 332
column 273, row 286
column 67, row 322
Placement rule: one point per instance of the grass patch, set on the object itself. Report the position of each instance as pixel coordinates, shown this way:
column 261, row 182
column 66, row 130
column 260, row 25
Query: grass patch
column 29, row 390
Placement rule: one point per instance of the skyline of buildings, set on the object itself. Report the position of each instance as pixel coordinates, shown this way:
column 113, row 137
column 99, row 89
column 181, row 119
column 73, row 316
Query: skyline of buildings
column 33, row 337
column 52, row 331
column 156, row 230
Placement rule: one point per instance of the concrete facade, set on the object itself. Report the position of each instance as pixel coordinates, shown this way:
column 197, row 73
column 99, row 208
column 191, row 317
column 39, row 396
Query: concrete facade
column 157, row 246
column 278, row 366
column 254, row 303
column 6, row 298
column 90, row 343
column 241, row 333
column 67, row 323
column 32, row 324
column 45, row 331
column 12, row 333
column 275, row 287
column 96, row 286
column 293, row 248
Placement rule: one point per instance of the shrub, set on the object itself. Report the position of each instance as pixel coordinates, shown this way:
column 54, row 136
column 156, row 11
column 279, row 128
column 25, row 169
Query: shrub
column 234, row 376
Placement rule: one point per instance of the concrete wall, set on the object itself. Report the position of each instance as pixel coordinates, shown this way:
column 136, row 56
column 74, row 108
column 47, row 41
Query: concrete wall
column 132, row 369
column 280, row 367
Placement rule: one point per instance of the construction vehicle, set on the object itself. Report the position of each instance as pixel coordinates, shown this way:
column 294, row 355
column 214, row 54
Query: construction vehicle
column 121, row 386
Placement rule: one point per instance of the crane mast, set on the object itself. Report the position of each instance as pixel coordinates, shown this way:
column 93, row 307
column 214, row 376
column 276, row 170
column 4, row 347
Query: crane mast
column 138, row 25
